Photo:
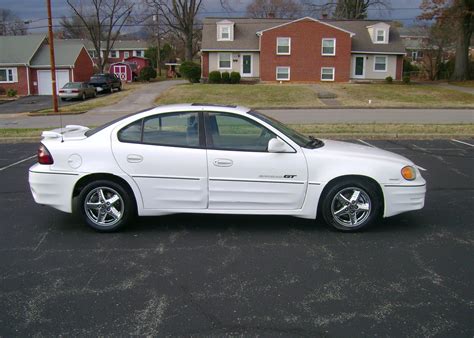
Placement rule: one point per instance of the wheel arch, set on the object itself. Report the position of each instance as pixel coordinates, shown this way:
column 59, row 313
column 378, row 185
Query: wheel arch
column 85, row 180
column 338, row 179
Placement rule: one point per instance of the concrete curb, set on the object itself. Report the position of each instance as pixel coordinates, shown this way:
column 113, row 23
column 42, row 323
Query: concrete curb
column 36, row 113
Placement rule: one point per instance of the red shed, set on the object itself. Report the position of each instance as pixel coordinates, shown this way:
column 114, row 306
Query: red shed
column 139, row 61
column 125, row 71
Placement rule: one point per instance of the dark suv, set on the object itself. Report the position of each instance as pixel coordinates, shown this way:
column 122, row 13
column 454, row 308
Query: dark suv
column 105, row 82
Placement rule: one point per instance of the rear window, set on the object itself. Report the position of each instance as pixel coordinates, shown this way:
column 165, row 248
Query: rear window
column 98, row 78
column 91, row 132
column 72, row 85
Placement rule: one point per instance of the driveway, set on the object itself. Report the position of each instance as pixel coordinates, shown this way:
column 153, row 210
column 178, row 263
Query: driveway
column 29, row 103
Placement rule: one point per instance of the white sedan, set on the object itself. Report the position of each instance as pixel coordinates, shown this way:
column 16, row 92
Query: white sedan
column 193, row 158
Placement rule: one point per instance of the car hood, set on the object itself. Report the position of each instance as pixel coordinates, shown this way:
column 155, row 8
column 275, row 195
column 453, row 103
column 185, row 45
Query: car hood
column 352, row 150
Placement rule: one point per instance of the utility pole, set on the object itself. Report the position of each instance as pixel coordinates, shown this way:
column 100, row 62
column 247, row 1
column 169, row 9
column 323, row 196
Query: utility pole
column 51, row 56
column 156, row 28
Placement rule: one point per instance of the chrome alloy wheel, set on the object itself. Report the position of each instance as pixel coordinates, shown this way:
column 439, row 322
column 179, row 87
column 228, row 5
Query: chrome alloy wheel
column 104, row 206
column 351, row 207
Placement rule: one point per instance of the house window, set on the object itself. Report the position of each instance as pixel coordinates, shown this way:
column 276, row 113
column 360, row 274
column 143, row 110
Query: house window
column 380, row 64
column 283, row 46
column 126, row 55
column 328, row 47
column 224, row 33
column 283, row 73
column 7, row 75
column 92, row 53
column 380, row 35
column 327, row 74
column 140, row 53
column 225, row 60
column 113, row 54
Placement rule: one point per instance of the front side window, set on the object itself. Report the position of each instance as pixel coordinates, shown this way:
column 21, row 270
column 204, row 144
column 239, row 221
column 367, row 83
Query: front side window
column 328, row 47
column 380, row 64
column 380, row 35
column 327, row 74
column 6, row 75
column 225, row 60
column 283, row 46
column 230, row 132
column 283, row 73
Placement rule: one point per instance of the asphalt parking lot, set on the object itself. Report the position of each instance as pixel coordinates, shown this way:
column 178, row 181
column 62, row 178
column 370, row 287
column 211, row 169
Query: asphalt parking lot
column 194, row 275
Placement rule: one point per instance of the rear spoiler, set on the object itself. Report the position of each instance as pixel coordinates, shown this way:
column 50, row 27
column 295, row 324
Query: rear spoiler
column 57, row 133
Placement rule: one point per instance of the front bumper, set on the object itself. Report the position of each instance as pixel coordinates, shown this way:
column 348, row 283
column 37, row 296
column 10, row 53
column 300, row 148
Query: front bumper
column 54, row 189
column 402, row 198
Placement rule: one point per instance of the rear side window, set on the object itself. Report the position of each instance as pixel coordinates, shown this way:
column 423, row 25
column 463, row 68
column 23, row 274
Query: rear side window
column 132, row 132
column 178, row 130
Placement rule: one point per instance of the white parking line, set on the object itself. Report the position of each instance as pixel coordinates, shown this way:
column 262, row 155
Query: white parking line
column 20, row 161
column 462, row 142
column 367, row 143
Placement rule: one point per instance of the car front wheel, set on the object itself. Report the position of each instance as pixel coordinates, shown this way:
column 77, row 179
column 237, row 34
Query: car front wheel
column 105, row 206
column 352, row 205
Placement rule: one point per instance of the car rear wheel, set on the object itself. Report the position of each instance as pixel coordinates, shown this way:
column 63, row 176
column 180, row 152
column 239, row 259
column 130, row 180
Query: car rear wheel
column 105, row 206
column 351, row 205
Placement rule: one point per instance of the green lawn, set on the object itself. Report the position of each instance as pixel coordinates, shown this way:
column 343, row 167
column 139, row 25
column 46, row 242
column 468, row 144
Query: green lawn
column 289, row 95
column 254, row 96
column 400, row 95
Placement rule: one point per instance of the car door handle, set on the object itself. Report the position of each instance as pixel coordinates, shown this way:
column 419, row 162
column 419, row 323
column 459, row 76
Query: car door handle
column 133, row 158
column 223, row 162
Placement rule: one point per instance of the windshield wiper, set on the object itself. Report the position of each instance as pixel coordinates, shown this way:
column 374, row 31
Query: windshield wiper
column 314, row 142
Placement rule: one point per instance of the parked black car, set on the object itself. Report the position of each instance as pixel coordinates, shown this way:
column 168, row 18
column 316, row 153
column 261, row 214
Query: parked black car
column 105, row 82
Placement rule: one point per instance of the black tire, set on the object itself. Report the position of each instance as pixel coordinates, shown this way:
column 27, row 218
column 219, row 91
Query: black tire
column 338, row 199
column 92, row 215
column 95, row 94
column 63, row 99
column 119, row 88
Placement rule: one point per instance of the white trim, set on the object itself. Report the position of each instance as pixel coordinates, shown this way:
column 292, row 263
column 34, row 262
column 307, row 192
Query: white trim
column 322, row 46
column 28, row 79
column 276, row 73
column 219, row 61
column 354, row 57
column 126, row 54
column 305, row 18
column 333, row 73
column 386, row 63
column 289, row 45
column 378, row 53
column 242, row 65
column 230, row 50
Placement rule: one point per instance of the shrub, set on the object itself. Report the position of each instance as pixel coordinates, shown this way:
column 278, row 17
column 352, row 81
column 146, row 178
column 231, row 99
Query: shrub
column 389, row 79
column 147, row 73
column 215, row 77
column 235, row 77
column 406, row 79
column 190, row 71
column 225, row 77
column 11, row 92
column 2, row 91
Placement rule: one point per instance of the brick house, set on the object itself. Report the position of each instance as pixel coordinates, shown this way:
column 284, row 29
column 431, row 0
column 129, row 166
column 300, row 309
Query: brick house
column 121, row 50
column 302, row 50
column 25, row 64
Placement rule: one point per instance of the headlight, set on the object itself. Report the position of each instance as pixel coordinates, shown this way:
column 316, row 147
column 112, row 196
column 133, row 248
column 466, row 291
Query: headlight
column 408, row 173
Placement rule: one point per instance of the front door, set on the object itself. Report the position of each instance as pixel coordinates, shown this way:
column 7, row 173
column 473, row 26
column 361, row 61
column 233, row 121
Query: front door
column 243, row 175
column 165, row 156
column 246, row 65
column 359, row 66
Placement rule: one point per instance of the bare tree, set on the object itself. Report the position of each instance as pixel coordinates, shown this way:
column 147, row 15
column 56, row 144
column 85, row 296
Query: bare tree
column 459, row 14
column 103, row 20
column 181, row 17
column 74, row 28
column 347, row 9
column 274, row 8
column 10, row 23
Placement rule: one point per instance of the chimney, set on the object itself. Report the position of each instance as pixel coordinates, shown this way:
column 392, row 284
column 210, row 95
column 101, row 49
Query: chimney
column 271, row 15
column 324, row 15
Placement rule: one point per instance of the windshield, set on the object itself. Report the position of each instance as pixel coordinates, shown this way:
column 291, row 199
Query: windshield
column 72, row 85
column 300, row 139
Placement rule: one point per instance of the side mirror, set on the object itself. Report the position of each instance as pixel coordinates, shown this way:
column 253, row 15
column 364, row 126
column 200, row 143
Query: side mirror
column 276, row 145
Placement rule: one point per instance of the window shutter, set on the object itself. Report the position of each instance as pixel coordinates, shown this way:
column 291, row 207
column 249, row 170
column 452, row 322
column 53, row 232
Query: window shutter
column 15, row 74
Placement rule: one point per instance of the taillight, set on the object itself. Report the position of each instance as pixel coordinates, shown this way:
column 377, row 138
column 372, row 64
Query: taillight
column 75, row 91
column 44, row 156
column 61, row 91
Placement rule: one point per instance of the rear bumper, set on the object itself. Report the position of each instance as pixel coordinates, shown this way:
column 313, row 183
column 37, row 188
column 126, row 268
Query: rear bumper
column 403, row 198
column 69, row 96
column 52, row 188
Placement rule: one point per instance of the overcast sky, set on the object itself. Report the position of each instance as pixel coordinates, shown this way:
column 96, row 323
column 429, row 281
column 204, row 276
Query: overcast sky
column 402, row 10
